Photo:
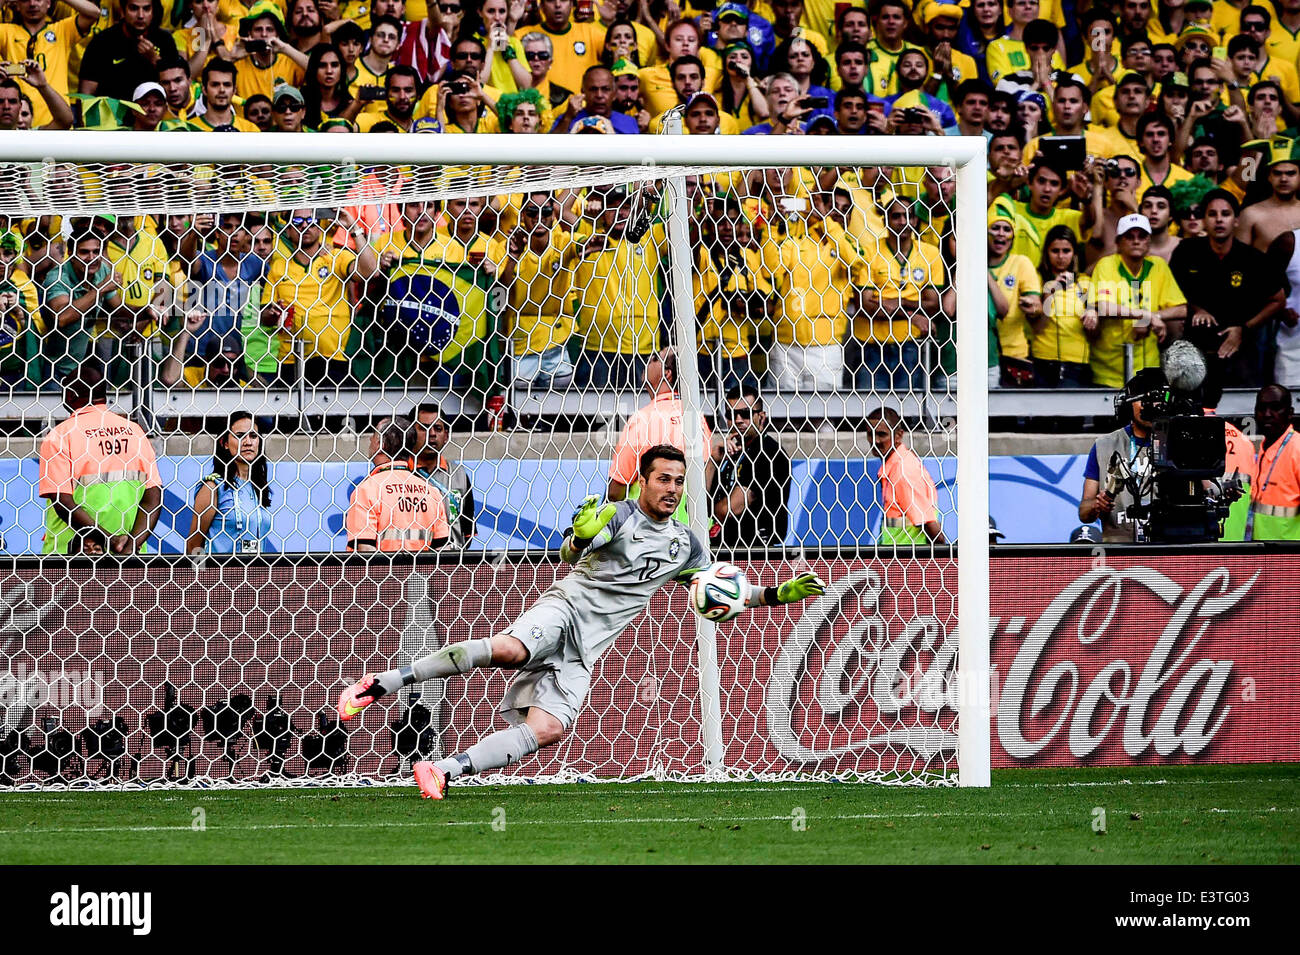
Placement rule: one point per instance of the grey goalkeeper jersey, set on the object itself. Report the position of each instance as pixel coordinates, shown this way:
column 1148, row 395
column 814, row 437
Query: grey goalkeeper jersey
column 613, row 581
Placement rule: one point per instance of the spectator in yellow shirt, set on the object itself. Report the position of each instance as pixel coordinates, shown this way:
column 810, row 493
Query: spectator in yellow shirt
column 505, row 66
column 1067, row 322
column 1015, row 292
column 682, row 38
column 1008, row 54
column 951, row 67
column 1155, row 139
column 536, row 264
column 733, row 294
column 306, row 291
column 263, row 57
column 575, row 46
column 538, row 51
column 617, row 284
column 1135, row 295
column 218, row 95
column 890, row 22
column 1251, row 64
column 34, row 35
column 401, row 90
column 815, row 271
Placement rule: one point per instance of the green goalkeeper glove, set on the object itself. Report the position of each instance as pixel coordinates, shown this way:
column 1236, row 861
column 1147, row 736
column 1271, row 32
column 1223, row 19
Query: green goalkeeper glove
column 590, row 518
column 802, row 587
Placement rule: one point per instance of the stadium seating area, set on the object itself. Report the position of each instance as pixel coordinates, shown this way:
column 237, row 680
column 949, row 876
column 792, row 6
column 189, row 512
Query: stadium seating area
column 1128, row 145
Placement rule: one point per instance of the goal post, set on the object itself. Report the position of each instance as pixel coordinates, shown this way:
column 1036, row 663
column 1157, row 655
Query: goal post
column 42, row 173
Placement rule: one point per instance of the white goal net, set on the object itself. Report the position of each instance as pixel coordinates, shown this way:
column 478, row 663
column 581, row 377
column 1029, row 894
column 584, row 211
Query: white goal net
column 204, row 362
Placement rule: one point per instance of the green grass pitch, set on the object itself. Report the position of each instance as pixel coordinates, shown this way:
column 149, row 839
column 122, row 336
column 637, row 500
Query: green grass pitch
column 1219, row 814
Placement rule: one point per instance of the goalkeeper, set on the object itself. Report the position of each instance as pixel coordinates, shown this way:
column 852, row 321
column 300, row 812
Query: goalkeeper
column 623, row 554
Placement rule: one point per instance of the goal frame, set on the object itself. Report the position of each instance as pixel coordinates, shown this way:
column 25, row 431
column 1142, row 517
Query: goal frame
column 966, row 155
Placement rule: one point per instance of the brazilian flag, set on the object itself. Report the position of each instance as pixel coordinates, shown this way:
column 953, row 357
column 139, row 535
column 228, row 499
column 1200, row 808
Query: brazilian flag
column 446, row 313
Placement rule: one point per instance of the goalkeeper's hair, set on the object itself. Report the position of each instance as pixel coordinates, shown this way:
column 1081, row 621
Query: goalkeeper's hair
column 660, row 452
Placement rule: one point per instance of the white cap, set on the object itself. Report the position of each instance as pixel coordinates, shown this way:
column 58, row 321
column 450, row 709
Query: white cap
column 148, row 88
column 1133, row 220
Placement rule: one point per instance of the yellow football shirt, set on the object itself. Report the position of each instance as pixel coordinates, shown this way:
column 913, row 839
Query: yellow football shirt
column 1062, row 337
column 891, row 275
column 142, row 266
column 1225, row 18
column 251, row 79
column 203, row 124
column 367, row 77
column 318, row 292
column 1032, row 229
column 657, row 85
column 574, row 49
column 538, row 313
column 1153, row 288
column 882, row 68
column 1097, row 141
column 1282, row 43
column 1016, row 276
column 1176, row 174
column 359, row 12
column 51, row 46
column 813, row 274
column 1005, row 56
column 617, row 295
column 722, row 329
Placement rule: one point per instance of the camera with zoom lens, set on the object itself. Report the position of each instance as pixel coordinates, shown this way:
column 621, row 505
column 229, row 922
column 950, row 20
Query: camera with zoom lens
column 1182, row 498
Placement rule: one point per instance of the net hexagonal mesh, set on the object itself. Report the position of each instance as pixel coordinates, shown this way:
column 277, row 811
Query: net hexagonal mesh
column 262, row 333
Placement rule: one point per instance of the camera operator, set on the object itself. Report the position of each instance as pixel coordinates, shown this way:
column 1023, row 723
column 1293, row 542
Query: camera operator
column 1275, row 498
column 1103, row 497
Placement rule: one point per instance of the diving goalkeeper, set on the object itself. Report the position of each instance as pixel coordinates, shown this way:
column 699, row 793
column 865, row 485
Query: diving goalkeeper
column 623, row 553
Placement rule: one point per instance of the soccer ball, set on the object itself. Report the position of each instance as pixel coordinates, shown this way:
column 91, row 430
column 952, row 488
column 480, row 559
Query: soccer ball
column 719, row 593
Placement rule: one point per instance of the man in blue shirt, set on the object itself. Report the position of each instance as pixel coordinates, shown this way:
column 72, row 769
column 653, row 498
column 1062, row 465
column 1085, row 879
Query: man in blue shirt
column 1129, row 448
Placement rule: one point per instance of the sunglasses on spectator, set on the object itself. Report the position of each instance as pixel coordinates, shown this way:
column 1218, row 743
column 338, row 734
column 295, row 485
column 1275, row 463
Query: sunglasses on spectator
column 537, row 55
column 449, row 7
column 467, row 55
column 1254, row 25
column 285, row 106
column 301, row 220
column 1122, row 172
column 540, row 211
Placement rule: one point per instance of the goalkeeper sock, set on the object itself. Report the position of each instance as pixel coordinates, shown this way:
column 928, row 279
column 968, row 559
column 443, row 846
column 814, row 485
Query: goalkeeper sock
column 450, row 660
column 492, row 752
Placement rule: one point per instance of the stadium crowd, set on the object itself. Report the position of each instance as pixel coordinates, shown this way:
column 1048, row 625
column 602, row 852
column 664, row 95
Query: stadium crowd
column 1142, row 188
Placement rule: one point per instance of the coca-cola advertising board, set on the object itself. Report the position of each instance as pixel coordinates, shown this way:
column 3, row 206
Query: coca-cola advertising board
column 1103, row 662
column 1130, row 660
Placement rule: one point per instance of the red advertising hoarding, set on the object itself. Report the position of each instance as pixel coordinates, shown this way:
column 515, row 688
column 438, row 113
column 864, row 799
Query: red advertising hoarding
column 1145, row 660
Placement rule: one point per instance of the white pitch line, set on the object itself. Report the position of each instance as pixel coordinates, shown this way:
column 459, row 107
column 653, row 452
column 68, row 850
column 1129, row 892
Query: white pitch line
column 609, row 820
column 585, row 789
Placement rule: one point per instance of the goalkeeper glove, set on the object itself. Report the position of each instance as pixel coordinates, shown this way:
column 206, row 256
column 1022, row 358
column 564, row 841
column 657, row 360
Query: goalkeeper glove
column 803, row 586
column 590, row 518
